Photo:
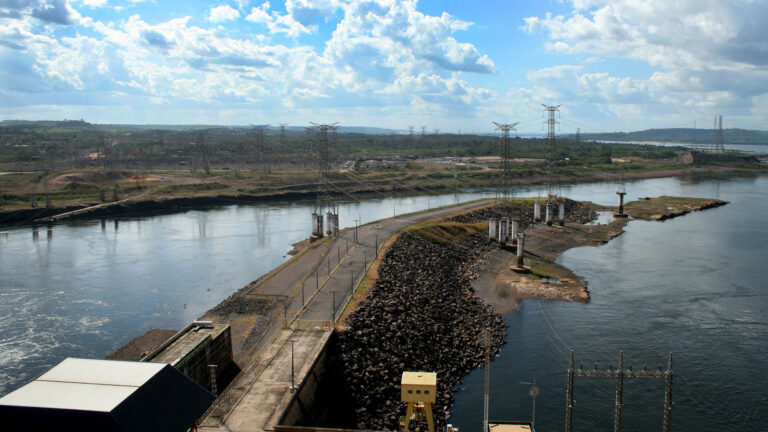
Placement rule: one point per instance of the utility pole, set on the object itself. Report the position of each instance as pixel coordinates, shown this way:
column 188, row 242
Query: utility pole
column 486, row 394
column 293, row 378
column 569, row 397
column 333, row 301
column 533, row 391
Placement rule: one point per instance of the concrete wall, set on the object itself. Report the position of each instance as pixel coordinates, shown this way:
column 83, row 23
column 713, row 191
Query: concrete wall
column 216, row 351
column 302, row 408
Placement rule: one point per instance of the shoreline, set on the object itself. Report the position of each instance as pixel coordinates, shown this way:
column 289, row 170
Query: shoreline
column 543, row 246
column 169, row 205
column 547, row 280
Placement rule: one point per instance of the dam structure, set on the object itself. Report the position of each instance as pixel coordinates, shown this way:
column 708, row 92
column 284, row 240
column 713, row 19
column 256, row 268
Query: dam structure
column 280, row 375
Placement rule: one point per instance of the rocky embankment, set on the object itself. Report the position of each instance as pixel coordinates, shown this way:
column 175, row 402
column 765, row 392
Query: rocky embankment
column 575, row 212
column 420, row 315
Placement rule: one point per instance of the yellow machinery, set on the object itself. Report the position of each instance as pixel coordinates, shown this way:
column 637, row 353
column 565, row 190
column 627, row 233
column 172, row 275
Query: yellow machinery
column 419, row 389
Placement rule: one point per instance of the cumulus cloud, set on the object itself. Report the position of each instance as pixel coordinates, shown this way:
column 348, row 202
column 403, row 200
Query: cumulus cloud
column 95, row 3
column 278, row 23
column 47, row 11
column 308, row 12
column 223, row 13
column 702, row 53
column 384, row 58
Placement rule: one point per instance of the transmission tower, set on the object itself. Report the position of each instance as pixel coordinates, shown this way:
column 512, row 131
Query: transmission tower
column 423, row 131
column 437, row 131
column 717, row 137
column 505, row 179
column 260, row 145
column 578, row 135
column 204, row 149
column 552, row 193
column 693, row 138
column 323, row 137
column 410, row 132
column 309, row 148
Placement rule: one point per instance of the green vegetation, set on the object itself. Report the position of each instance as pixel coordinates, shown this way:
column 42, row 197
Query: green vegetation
column 665, row 207
column 78, row 163
column 77, row 144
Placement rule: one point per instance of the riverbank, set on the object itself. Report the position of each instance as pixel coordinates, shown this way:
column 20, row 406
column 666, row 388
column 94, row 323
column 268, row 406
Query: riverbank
column 169, row 193
column 432, row 294
column 547, row 280
column 437, row 286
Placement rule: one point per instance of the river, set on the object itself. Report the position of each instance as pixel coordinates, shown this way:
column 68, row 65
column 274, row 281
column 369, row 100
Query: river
column 694, row 285
column 759, row 149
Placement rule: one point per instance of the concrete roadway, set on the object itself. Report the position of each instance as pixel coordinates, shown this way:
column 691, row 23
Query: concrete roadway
column 312, row 280
column 347, row 260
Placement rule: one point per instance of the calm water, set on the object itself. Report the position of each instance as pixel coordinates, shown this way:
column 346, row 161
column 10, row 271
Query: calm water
column 747, row 148
column 695, row 285
column 86, row 288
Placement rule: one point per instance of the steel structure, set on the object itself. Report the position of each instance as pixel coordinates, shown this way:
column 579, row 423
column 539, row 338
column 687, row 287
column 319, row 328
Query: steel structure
column 505, row 178
column 717, row 135
column 410, row 132
column 204, row 149
column 259, row 145
column 620, row 374
column 552, row 191
column 323, row 137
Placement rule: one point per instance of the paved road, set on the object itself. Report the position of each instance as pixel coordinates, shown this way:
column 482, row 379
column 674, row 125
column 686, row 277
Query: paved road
column 343, row 263
column 312, row 281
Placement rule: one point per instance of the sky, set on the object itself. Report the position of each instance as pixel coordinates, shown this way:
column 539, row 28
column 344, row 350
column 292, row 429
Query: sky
column 453, row 65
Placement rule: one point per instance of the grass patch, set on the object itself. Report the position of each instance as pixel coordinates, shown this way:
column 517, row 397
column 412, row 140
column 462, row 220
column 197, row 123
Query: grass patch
column 447, row 232
column 664, row 206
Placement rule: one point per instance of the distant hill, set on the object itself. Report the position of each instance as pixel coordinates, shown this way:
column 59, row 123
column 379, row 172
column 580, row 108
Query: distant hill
column 682, row 135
